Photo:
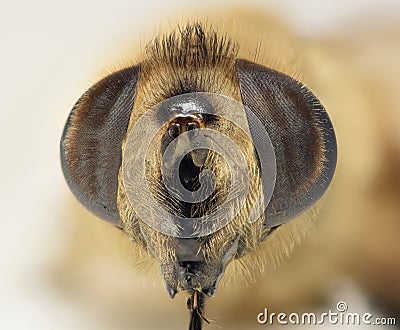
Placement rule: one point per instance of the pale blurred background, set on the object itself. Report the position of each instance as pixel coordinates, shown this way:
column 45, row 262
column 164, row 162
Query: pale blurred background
column 61, row 268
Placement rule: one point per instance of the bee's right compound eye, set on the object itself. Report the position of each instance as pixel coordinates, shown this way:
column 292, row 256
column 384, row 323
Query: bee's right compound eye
column 90, row 146
column 174, row 130
column 192, row 125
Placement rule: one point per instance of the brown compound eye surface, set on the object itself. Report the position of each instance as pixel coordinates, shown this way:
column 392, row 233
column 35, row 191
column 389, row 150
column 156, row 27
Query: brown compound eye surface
column 90, row 146
column 301, row 133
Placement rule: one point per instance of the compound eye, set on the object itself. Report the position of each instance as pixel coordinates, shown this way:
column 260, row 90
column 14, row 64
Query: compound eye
column 174, row 130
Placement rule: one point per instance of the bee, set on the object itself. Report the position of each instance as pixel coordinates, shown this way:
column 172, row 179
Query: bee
column 198, row 156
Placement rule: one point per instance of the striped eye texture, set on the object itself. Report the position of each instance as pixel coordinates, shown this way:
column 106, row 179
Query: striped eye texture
column 301, row 133
column 90, row 146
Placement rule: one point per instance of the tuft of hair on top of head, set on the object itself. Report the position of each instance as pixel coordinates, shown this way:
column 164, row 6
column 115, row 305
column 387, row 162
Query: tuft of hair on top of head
column 192, row 58
column 193, row 45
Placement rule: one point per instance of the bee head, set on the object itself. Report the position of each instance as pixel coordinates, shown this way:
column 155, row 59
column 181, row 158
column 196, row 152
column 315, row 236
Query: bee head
column 197, row 155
